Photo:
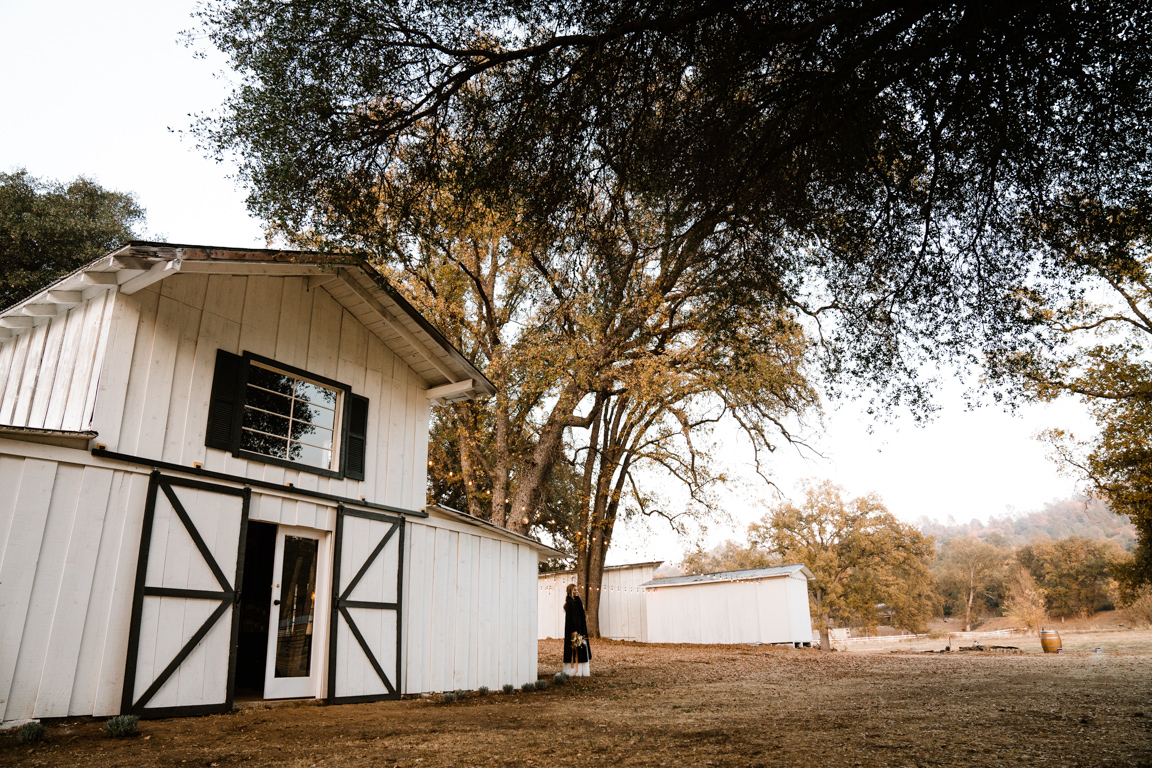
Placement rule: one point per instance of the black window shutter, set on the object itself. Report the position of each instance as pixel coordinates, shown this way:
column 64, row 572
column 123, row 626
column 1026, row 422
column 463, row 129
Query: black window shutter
column 356, row 437
column 227, row 403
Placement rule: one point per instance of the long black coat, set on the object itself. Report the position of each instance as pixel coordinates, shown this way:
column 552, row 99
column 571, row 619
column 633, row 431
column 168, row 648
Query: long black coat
column 575, row 621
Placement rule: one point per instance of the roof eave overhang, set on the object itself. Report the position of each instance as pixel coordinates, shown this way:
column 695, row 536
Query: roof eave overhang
column 487, row 525
column 139, row 264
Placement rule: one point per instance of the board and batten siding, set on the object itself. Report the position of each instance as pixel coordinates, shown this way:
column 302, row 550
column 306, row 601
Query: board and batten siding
column 623, row 604
column 49, row 374
column 469, row 608
column 69, row 540
column 138, row 370
column 70, row 527
column 771, row 610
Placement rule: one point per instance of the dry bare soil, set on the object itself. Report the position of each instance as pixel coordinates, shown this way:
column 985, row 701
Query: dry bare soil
column 681, row 705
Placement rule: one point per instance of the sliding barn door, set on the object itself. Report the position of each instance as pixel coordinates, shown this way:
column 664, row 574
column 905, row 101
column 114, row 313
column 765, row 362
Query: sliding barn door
column 181, row 645
column 364, row 649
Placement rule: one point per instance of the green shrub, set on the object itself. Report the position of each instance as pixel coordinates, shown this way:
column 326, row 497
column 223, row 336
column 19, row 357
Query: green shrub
column 30, row 733
column 541, row 684
column 483, row 690
column 561, row 678
column 528, row 687
column 121, row 726
column 447, row 698
column 509, row 688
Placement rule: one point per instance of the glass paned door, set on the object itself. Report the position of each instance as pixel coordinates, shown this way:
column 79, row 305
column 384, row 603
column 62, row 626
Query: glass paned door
column 293, row 653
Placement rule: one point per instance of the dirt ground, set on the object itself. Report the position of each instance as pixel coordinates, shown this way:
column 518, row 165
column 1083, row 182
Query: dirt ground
column 681, row 705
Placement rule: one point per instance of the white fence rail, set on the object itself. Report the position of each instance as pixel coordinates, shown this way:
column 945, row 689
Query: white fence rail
column 849, row 642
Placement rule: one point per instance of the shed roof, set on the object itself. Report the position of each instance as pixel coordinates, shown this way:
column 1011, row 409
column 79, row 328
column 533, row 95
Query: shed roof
column 651, row 563
column 347, row 277
column 753, row 574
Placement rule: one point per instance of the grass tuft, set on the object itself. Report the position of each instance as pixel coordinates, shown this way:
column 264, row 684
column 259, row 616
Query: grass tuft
column 483, row 690
column 509, row 688
column 120, row 726
column 30, row 733
column 541, row 684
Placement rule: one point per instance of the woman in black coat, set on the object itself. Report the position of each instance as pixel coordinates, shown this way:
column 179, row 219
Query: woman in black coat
column 577, row 652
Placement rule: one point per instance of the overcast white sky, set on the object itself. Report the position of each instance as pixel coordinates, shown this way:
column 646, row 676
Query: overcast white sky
column 105, row 89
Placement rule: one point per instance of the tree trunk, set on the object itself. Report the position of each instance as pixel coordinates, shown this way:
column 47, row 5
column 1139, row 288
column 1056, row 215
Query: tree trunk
column 825, row 640
column 968, row 610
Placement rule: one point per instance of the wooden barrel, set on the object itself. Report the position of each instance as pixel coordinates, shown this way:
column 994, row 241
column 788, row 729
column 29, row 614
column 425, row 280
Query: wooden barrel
column 1050, row 641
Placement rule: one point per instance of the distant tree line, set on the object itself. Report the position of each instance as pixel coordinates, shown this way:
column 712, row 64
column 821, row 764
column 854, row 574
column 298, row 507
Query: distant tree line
column 1084, row 516
column 870, row 569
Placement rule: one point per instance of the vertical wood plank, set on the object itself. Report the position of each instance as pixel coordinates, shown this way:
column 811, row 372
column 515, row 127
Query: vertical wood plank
column 324, row 334
column 262, row 299
column 488, row 606
column 184, row 392
column 92, row 637
column 123, row 573
column 85, row 365
column 507, row 628
column 18, row 575
column 13, row 375
column 136, row 399
column 526, row 645
column 48, row 368
column 413, row 641
column 37, row 337
column 443, row 558
column 295, row 317
column 63, row 647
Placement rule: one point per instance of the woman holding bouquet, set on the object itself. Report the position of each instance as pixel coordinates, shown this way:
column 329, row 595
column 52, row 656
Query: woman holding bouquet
column 577, row 652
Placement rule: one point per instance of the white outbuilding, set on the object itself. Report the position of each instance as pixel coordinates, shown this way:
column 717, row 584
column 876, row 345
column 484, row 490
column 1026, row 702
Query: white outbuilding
column 212, row 482
column 763, row 605
column 623, row 615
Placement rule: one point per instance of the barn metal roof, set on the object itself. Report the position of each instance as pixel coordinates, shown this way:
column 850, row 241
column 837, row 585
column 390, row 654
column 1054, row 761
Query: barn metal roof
column 753, row 574
column 347, row 277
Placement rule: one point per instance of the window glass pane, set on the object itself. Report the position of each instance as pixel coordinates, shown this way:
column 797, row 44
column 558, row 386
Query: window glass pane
column 268, row 401
column 311, row 455
column 265, row 422
column 288, row 418
column 273, row 380
column 267, row 445
column 314, row 414
column 297, row 601
column 316, row 436
column 316, row 394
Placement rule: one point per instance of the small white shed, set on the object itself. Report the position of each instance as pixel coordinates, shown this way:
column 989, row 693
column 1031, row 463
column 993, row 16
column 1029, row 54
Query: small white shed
column 212, row 474
column 623, row 615
column 762, row 605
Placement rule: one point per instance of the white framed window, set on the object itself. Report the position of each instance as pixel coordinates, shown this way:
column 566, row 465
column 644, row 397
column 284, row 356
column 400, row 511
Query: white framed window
column 291, row 418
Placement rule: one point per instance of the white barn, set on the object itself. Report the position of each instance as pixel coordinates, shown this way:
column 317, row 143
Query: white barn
column 763, row 605
column 212, row 474
column 623, row 615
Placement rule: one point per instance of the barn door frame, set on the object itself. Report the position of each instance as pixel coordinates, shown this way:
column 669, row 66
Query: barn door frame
column 341, row 602
column 229, row 596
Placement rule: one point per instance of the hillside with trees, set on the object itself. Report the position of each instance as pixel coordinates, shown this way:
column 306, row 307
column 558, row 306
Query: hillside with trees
column 1083, row 516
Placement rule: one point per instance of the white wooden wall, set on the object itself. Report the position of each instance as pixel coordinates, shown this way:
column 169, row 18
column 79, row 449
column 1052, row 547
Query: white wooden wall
column 623, row 603
column 157, row 377
column 49, row 374
column 771, row 610
column 69, row 541
column 138, row 370
column 470, row 609
column 69, row 538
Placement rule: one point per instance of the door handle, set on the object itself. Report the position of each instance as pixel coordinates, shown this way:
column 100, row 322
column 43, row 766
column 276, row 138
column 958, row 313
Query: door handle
column 275, row 602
